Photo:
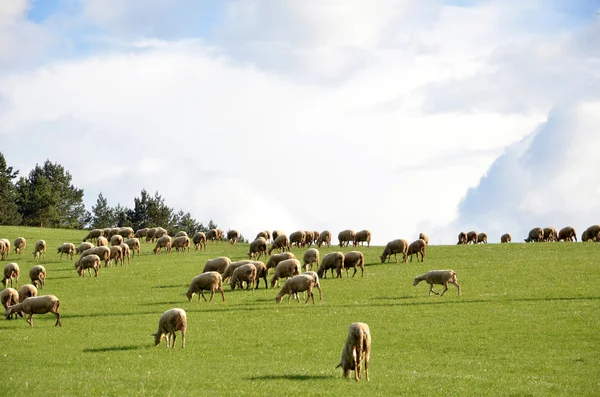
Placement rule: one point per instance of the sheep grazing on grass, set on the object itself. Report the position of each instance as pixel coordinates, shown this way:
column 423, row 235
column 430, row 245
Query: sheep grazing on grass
column 3, row 250
column 11, row 272
column 82, row 247
column 535, row 235
column 150, row 234
column 37, row 305
column 160, row 232
column 180, row 233
column 284, row 269
column 37, row 274
column 217, row 265
column 592, row 233
column 163, row 242
column 134, row 245
column 482, row 238
column 39, row 250
column 276, row 258
column 261, row 272
column 424, row 237
column 199, row 240
column 309, row 237
column 315, row 278
column 462, row 238
column 345, row 237
column 311, row 256
column 116, row 239
column 472, row 237
column 181, row 243
column 567, row 233
column 112, row 232
column 324, row 238
column 264, row 234
column 550, row 234
column 275, row 234
column 212, row 235
column 102, row 241
column 441, row 277
column 333, row 260
column 398, row 246
column 141, row 233
column 116, row 254
column 88, row 262
column 231, row 268
column 6, row 245
column 93, row 235
column 126, row 253
column 298, row 238
column 171, row 321
column 245, row 273
column 416, row 247
column 9, row 297
column 281, row 243
column 207, row 281
column 126, row 232
column 258, row 247
column 27, row 291
column 233, row 236
column 505, row 238
column 293, row 285
column 106, row 232
column 362, row 237
column 102, row 252
column 357, row 350
column 66, row 248
column 353, row 259
column 20, row 244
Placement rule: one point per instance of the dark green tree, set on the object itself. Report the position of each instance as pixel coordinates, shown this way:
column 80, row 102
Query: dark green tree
column 187, row 223
column 121, row 216
column 151, row 211
column 103, row 216
column 9, row 210
column 212, row 225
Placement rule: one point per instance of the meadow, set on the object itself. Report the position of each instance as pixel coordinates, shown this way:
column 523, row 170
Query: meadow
column 527, row 324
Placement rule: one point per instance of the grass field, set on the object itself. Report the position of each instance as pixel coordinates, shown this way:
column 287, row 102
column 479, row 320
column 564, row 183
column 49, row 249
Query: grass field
column 528, row 323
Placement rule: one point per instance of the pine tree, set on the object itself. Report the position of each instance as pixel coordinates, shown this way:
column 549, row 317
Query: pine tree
column 9, row 210
column 103, row 215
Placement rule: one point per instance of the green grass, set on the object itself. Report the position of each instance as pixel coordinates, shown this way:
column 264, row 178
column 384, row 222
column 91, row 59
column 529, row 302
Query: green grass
column 528, row 323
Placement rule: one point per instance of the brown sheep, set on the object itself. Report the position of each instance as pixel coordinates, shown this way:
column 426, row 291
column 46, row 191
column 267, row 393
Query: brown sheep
column 233, row 236
column 416, row 247
column 567, row 233
column 462, row 238
column 424, row 237
column 259, row 247
column 472, row 237
column 482, row 238
column 361, row 237
column 298, row 238
column 354, row 259
column 281, row 242
column 550, row 234
column 535, row 235
column 333, row 260
column 199, row 240
column 20, row 244
column 591, row 233
column 398, row 246
column 506, row 238
column 324, row 238
column 345, row 237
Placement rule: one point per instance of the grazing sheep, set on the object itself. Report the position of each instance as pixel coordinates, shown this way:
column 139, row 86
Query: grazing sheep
column 150, row 234
column 39, row 250
column 424, row 237
column 141, row 233
column 106, row 232
column 315, row 278
column 264, row 234
column 285, row 268
column 506, row 238
column 116, row 254
column 20, row 244
column 231, row 268
column 333, row 260
column 93, row 235
column 261, row 272
column 361, row 237
column 126, row 252
column 82, row 247
column 37, row 305
column 276, row 258
column 160, row 232
column 180, row 233
column 353, row 259
column 324, row 238
column 9, row 297
column 357, row 350
column 298, row 238
column 199, row 240
column 398, row 246
column 88, row 262
column 3, row 250
column 281, row 242
column 311, row 256
column 293, row 285
column 102, row 252
column 567, row 233
column 171, row 321
column 126, row 232
column 309, row 237
column 245, row 273
column 37, row 274
column 275, row 234
column 6, row 245
column 536, row 234
column 472, row 237
column 66, row 248
column 482, row 238
column 233, row 236
column 116, row 239
column 181, row 243
column 441, row 277
column 345, row 237
column 11, row 271
column 207, row 281
column 27, row 291
column 134, row 245
column 416, row 247
column 163, row 242
column 259, row 247
column 550, row 234
column 217, row 265
column 462, row 238
column 213, row 235
column 102, row 241
column 591, row 233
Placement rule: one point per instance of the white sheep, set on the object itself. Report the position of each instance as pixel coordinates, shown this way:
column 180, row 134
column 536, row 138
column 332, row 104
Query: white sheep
column 398, row 246
column 285, row 268
column 231, row 268
column 275, row 259
column 315, row 278
column 66, row 248
column 298, row 238
column 37, row 305
column 20, row 244
column 116, row 254
column 245, row 273
column 345, row 237
column 143, row 232
column 3, row 250
column 311, row 256
column 217, row 265
column 362, row 236
column 126, row 252
column 293, row 285
column 93, row 235
column 261, row 272
column 357, row 349
column 324, row 238
column 353, row 259
column 171, row 321
column 424, row 237
column 259, row 247
column 181, row 243
column 11, row 271
column 27, row 291
column 207, row 281
column 199, row 240
column 441, row 277
column 102, row 241
column 180, row 233
column 6, row 246
column 40, row 249
column 418, row 247
column 9, row 297
column 103, row 252
column 134, row 245
column 37, row 274
column 163, row 241
column 88, row 262
column 333, row 260
column 281, row 242
column 116, row 239
column 232, row 236
column 150, row 234
column 82, row 247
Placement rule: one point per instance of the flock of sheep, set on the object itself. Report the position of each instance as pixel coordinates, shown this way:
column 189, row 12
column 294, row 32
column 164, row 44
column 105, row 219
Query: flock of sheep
column 537, row 234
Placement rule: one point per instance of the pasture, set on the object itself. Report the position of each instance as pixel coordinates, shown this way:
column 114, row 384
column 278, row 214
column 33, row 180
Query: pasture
column 527, row 323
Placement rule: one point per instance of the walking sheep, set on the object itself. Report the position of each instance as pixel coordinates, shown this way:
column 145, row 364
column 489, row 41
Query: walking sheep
column 293, row 285
column 281, row 242
column 416, row 247
column 66, row 248
column 37, row 305
column 441, row 277
column 333, row 260
column 354, row 259
column 207, row 281
column 357, row 350
column 345, row 237
column 93, row 235
column 171, row 321
column 394, row 247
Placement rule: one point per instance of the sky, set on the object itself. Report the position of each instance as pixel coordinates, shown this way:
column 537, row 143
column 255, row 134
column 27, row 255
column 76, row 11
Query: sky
column 397, row 116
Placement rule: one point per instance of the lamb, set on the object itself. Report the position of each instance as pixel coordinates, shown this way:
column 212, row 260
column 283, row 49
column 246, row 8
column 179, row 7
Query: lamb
column 181, row 243
column 126, row 253
column 37, row 274
column 281, row 242
column 27, row 291
column 9, row 297
column 315, row 278
column 424, row 237
column 398, row 246
column 88, row 262
column 293, row 285
column 20, row 244
column 535, row 234
column 163, row 242
column 217, row 264
column 134, row 245
column 353, row 259
column 103, row 252
column 6, row 245
column 285, row 268
column 567, row 233
column 357, row 350
column 102, row 241
column 126, row 232
column 416, row 247
column 246, row 272
column 311, row 256
column 506, row 238
column 472, row 237
column 231, row 268
column 199, row 240
column 11, row 271
column 37, row 305
column 550, row 234
column 116, row 239
column 261, row 272
column 361, row 237
column 324, row 238
column 40, row 249
column 345, row 237
column 207, row 281
column 171, row 321
column 462, row 238
column 150, row 234
column 442, row 277
column 298, row 238
column 3, row 250
column 591, row 233
column 259, row 247
column 143, row 232
column 116, row 254
column 233, row 236
column 482, row 238
column 275, row 259
column 66, row 248
column 333, row 260
column 93, row 235
column 82, row 247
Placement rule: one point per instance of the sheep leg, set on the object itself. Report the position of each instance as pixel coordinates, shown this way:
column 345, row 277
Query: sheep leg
column 222, row 293
column 212, row 294
column 173, row 337
column 201, row 295
column 183, row 338
column 58, row 323
column 356, row 364
column 456, row 285
column 29, row 320
column 445, row 288
column 431, row 290
column 320, row 294
column 354, row 271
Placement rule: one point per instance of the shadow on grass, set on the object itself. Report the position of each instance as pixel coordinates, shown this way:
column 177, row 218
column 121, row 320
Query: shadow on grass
column 163, row 303
column 436, row 300
column 290, row 377
column 112, row 349
column 185, row 286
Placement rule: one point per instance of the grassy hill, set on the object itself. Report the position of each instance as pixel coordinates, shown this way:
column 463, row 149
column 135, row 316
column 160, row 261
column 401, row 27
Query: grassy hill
column 528, row 323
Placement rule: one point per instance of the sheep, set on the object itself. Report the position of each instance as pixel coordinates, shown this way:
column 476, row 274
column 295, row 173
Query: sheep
column 324, row 238
column 106, row 232
column 199, row 240
column 116, row 239
column 181, row 243
column 37, row 305
column 472, row 237
column 116, row 254
column 233, row 236
column 213, row 235
column 424, row 237
column 309, row 237
column 88, row 262
column 345, row 237
column 298, row 238
column 93, row 235
column 311, row 256
column 9, row 297
column 102, row 241
column 506, row 238
column 567, row 233
column 160, row 232
column 246, row 272
column 353, row 259
column 550, row 234
column 11, row 271
column 112, row 232
column 27, row 291
column 482, row 238
column 293, row 285
column 361, row 237
column 3, row 250
column 315, row 278
column 442, row 277
column 259, row 247
column 171, row 321
column 150, row 234
column 276, row 258
column 275, row 234
column 126, row 232
column 82, row 247
column 7, row 245
column 535, row 234
column 126, row 253
column 134, row 245
column 398, row 246
column 103, row 252
column 261, row 272
column 416, row 247
column 217, row 264
column 591, row 233
column 143, row 232
column 333, row 260
column 20, row 244
column 37, row 274
column 357, row 350
column 264, row 234
column 66, row 248
column 163, row 242
column 462, row 238
column 207, row 281
column 231, row 268
column 281, row 242
column 40, row 249
column 285, row 268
